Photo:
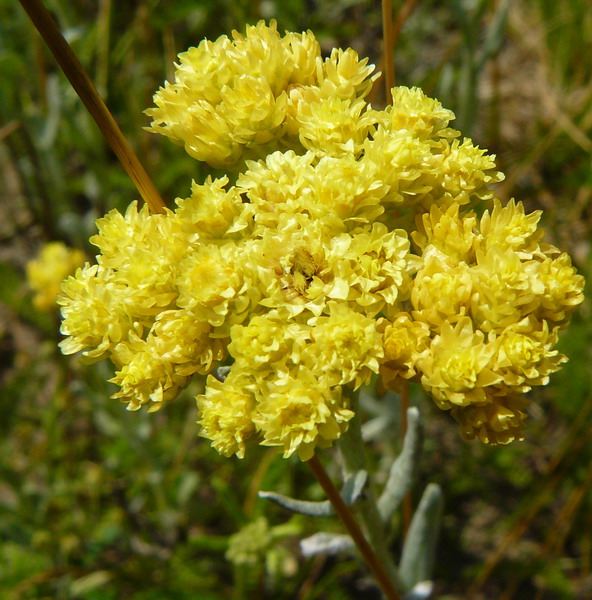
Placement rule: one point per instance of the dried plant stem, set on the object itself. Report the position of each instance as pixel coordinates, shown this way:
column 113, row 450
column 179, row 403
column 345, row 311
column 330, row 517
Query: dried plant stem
column 84, row 87
column 6, row 130
column 345, row 515
column 387, row 47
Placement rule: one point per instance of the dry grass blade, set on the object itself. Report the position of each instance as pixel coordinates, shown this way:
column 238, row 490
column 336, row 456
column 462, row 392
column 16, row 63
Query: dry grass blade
column 7, row 129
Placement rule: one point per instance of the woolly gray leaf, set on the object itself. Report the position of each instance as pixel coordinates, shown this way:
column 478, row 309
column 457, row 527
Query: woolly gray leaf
column 417, row 557
column 421, row 591
column 404, row 468
column 325, row 543
column 305, row 507
column 352, row 488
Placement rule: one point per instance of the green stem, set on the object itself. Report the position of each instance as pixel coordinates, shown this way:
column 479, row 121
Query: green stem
column 351, row 447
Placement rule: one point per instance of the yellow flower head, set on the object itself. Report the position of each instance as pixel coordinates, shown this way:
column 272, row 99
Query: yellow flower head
column 156, row 369
column 341, row 245
column 279, row 191
column 290, row 271
column 332, row 126
column 413, row 111
column 344, row 75
column 348, row 190
column 509, row 228
column 441, row 293
column 297, row 412
column 229, row 100
column 485, row 291
column 210, row 285
column 563, row 288
column 465, row 174
column 132, row 255
column 458, row 367
column 226, row 412
column 211, row 211
column 95, row 313
column 46, row 272
column 526, row 355
column 404, row 342
column 346, row 346
column 269, row 344
column 499, row 421
column 227, row 94
column 422, row 160
column 448, row 234
column 374, row 266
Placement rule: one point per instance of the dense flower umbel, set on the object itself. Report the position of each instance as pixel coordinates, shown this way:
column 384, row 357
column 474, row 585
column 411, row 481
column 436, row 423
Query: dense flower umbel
column 349, row 249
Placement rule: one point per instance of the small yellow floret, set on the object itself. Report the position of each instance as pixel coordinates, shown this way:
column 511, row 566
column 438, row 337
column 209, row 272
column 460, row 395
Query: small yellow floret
column 526, row 355
column 211, row 211
column 334, row 127
column 447, row 232
column 269, row 344
column 509, row 228
column 441, row 293
column 156, row 369
column 414, row 111
column 94, row 312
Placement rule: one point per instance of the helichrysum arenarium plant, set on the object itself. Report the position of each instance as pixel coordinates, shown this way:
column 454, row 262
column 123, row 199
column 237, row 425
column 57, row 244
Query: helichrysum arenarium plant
column 349, row 249
column 345, row 246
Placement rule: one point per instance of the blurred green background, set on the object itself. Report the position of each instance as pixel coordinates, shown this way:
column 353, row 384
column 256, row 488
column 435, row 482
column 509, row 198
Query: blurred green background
column 100, row 504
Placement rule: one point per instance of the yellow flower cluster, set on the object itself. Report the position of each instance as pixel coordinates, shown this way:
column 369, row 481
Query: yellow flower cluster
column 347, row 250
column 486, row 306
column 46, row 272
column 246, row 97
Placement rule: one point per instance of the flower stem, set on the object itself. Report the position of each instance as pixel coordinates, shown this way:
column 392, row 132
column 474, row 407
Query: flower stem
column 84, row 87
column 346, row 516
column 387, row 47
column 351, row 447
